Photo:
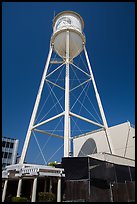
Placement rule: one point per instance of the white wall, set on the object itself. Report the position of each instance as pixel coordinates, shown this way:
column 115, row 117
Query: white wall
column 121, row 136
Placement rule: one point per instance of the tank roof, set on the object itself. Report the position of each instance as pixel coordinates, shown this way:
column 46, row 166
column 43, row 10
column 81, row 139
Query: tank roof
column 68, row 12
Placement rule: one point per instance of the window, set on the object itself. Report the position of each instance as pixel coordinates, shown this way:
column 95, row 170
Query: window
column 11, row 145
column 3, row 143
column 89, row 147
column 5, row 154
column 10, row 155
column 7, row 164
column 4, row 164
column 7, row 144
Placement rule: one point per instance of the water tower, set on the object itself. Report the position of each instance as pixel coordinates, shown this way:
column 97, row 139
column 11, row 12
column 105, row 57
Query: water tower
column 67, row 30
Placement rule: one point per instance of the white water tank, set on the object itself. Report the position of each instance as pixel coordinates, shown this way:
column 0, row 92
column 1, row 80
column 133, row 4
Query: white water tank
column 72, row 22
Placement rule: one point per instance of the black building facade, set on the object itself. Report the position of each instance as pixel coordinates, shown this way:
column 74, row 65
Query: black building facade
column 93, row 180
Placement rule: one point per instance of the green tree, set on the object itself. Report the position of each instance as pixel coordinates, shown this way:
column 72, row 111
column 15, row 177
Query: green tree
column 52, row 163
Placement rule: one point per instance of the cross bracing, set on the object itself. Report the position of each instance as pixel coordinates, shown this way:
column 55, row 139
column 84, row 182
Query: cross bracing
column 67, row 90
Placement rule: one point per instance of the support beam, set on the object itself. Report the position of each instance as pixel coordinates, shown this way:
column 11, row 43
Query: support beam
column 34, row 189
column 19, row 187
column 48, row 133
column 55, row 70
column 100, row 105
column 4, row 190
column 55, row 84
column 81, row 70
column 26, row 143
column 85, row 119
column 80, row 85
column 70, row 151
column 66, row 118
column 48, row 120
column 59, row 190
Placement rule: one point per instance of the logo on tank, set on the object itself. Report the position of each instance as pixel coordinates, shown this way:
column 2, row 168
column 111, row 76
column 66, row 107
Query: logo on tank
column 63, row 21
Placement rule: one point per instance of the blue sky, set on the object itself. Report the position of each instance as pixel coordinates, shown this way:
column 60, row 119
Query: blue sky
column 110, row 41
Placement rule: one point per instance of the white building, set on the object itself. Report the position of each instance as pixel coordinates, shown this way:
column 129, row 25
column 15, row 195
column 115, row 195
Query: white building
column 95, row 142
column 9, row 151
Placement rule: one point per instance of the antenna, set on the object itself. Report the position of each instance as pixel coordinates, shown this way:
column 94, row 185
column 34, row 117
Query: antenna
column 54, row 15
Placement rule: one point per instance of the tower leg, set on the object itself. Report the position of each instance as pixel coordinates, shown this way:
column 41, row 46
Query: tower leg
column 25, row 147
column 66, row 118
column 99, row 105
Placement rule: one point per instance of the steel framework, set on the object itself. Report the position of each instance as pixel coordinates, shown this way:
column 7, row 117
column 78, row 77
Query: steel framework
column 66, row 113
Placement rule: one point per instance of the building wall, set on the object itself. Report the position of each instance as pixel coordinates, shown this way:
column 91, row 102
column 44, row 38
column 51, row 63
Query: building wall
column 122, row 137
column 9, row 151
column 92, row 180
